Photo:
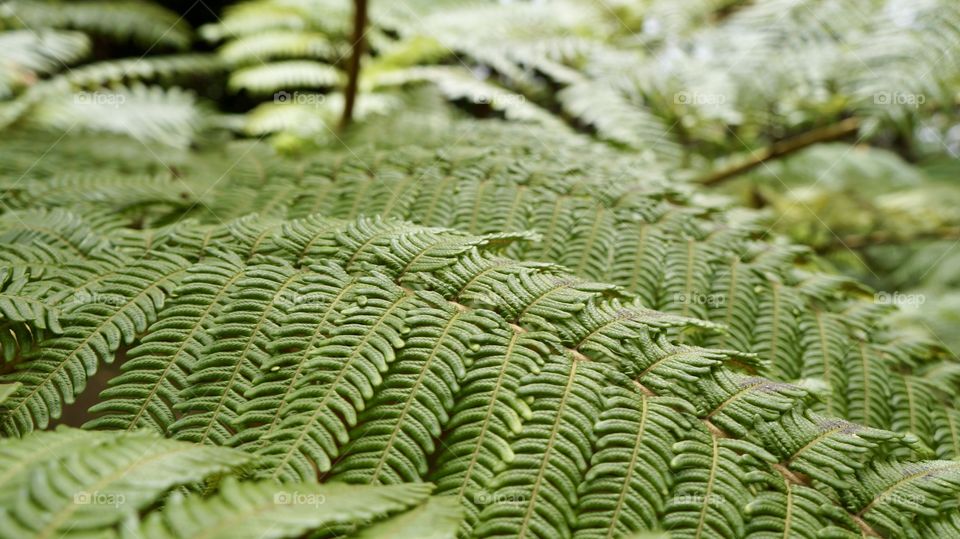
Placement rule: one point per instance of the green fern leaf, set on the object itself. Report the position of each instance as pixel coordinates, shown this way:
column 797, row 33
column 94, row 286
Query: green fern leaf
column 147, row 390
column 270, row 78
column 340, row 378
column 397, row 430
column 101, row 321
column 267, row 510
column 489, row 414
column 215, row 389
column 87, row 491
column 536, row 494
column 437, row 518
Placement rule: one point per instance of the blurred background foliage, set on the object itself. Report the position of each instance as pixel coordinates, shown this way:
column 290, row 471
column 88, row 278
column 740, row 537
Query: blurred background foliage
column 839, row 117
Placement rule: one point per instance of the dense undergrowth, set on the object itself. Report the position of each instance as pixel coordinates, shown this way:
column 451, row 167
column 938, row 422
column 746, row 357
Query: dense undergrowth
column 535, row 324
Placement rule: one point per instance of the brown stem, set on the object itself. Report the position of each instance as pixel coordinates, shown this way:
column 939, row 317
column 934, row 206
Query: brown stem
column 784, row 147
column 353, row 68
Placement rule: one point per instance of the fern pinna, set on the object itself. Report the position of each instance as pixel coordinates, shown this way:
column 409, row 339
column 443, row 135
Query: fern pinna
column 561, row 350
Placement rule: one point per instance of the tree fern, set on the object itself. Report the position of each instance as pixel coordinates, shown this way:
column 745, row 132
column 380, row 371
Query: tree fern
column 340, row 379
column 127, row 473
column 70, row 482
column 423, row 356
column 33, row 54
column 96, row 329
column 565, row 343
column 155, row 371
column 146, row 23
column 236, row 511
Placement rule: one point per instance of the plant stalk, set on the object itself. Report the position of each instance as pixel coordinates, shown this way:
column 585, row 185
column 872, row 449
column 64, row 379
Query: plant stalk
column 782, row 148
column 353, row 67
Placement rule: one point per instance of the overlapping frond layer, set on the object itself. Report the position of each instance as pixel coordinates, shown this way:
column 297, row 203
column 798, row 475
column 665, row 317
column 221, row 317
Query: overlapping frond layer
column 376, row 351
column 145, row 23
column 75, row 483
column 610, row 223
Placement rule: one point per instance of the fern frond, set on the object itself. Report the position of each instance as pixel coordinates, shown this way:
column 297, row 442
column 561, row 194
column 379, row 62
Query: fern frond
column 628, row 483
column 119, row 194
column 869, row 402
column 827, row 450
column 20, row 303
column 914, row 403
column 616, row 120
column 536, row 494
column 544, row 301
column 57, row 228
column 794, row 511
column 144, row 23
column 75, row 483
column 266, row 79
column 660, row 365
column 155, row 372
column 243, row 19
column 216, row 388
column 21, row 456
column 734, row 402
column 98, row 323
column 423, row 380
column 457, row 83
column 271, row 46
column 93, row 487
column 163, row 68
column 886, row 490
column 708, row 494
column 339, row 380
column 27, row 54
column 301, row 333
column 267, row 510
column 488, row 415
column 146, row 113
column 823, row 337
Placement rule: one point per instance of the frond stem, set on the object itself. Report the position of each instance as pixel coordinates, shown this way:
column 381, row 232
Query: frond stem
column 782, row 148
column 353, row 68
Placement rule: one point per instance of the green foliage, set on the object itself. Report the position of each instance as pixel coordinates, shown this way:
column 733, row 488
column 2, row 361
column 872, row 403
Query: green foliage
column 79, row 483
column 30, row 54
column 555, row 328
column 327, row 346
column 43, row 85
column 145, row 23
